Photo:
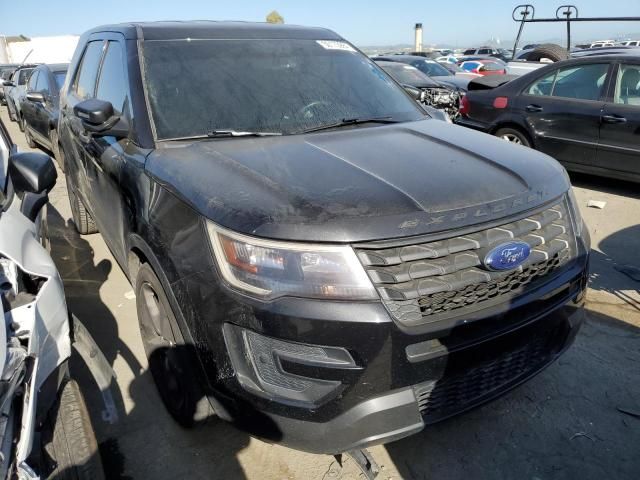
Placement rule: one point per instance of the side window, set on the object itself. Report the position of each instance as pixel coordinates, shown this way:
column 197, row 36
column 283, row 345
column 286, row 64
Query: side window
column 31, row 86
column 42, row 84
column 112, row 85
column 543, row 86
column 471, row 51
column 484, row 51
column 85, row 80
column 628, row 85
column 584, row 82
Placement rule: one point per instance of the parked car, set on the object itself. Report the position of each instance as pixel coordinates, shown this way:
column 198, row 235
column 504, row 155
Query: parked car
column 487, row 51
column 45, row 430
column 6, row 70
column 584, row 112
column 483, row 67
column 313, row 257
column 630, row 43
column 432, row 69
column 14, row 91
column 434, row 94
column 39, row 107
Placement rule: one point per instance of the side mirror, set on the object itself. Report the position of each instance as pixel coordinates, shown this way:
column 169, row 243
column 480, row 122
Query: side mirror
column 32, row 175
column 99, row 119
column 35, row 97
column 416, row 93
column 8, row 83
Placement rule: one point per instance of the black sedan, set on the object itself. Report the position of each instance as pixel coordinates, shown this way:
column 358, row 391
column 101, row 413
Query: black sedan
column 584, row 112
column 40, row 107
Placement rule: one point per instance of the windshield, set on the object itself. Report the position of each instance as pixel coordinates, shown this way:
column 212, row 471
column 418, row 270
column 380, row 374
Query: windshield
column 433, row 69
column 282, row 86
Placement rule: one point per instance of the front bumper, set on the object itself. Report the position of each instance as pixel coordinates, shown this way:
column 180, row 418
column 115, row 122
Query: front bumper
column 403, row 412
column 392, row 382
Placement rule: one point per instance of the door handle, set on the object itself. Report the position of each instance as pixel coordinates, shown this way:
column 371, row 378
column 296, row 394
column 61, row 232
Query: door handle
column 613, row 119
column 534, row 108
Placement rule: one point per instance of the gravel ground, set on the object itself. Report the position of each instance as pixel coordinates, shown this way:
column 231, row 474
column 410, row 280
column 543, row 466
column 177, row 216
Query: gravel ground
column 568, row 422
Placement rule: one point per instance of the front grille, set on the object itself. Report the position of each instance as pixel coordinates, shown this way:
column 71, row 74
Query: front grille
column 450, row 395
column 428, row 282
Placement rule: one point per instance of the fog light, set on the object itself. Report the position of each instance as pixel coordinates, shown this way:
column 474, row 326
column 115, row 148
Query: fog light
column 257, row 360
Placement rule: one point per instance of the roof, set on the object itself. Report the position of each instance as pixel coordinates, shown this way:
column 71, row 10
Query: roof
column 207, row 29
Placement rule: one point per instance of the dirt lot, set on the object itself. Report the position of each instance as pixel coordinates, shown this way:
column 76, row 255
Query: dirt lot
column 568, row 422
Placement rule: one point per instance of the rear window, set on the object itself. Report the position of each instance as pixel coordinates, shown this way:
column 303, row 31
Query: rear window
column 492, row 66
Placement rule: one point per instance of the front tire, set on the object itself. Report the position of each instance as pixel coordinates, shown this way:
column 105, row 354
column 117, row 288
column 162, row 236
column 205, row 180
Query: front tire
column 171, row 362
column 82, row 219
column 513, row 135
column 73, row 444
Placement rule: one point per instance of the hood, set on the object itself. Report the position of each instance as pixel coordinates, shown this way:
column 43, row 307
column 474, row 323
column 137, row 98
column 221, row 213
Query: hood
column 454, row 81
column 357, row 184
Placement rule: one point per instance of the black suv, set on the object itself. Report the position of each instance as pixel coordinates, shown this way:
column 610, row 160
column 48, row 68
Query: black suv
column 314, row 258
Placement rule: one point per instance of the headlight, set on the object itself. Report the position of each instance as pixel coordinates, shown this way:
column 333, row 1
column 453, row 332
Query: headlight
column 575, row 212
column 271, row 269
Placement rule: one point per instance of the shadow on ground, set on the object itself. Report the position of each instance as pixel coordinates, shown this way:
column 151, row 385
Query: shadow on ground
column 143, row 426
column 574, row 420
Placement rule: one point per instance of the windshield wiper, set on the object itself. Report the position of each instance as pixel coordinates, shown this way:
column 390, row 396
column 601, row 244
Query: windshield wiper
column 351, row 121
column 235, row 133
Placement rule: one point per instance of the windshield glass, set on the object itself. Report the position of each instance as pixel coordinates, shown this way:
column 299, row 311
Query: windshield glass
column 431, row 68
column 283, row 86
column 59, row 76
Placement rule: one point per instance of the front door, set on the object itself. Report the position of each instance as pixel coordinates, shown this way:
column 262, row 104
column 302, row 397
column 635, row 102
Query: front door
column 74, row 137
column 106, row 155
column 619, row 148
column 563, row 109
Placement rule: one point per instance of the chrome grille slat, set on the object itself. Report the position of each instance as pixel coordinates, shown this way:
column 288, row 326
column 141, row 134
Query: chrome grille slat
column 398, row 255
column 450, row 271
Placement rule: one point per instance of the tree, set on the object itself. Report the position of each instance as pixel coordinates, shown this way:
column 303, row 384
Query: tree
column 275, row 17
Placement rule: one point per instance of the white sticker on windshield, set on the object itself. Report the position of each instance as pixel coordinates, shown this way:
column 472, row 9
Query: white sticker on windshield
column 335, row 45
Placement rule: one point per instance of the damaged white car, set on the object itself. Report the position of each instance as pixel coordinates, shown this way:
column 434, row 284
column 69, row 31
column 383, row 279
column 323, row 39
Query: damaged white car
column 45, row 430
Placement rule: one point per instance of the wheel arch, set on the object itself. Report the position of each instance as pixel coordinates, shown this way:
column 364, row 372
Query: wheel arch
column 516, row 126
column 140, row 252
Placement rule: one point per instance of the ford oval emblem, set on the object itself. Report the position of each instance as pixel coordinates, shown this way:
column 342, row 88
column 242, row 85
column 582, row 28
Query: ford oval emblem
column 507, row 256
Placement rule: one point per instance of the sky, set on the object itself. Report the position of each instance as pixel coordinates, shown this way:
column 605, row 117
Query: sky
column 365, row 23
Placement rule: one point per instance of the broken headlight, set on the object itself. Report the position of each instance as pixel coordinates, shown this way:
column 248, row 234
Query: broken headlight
column 271, row 269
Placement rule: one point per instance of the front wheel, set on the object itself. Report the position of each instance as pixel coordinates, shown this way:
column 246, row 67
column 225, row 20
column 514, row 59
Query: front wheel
column 73, row 446
column 82, row 219
column 513, row 136
column 171, row 362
